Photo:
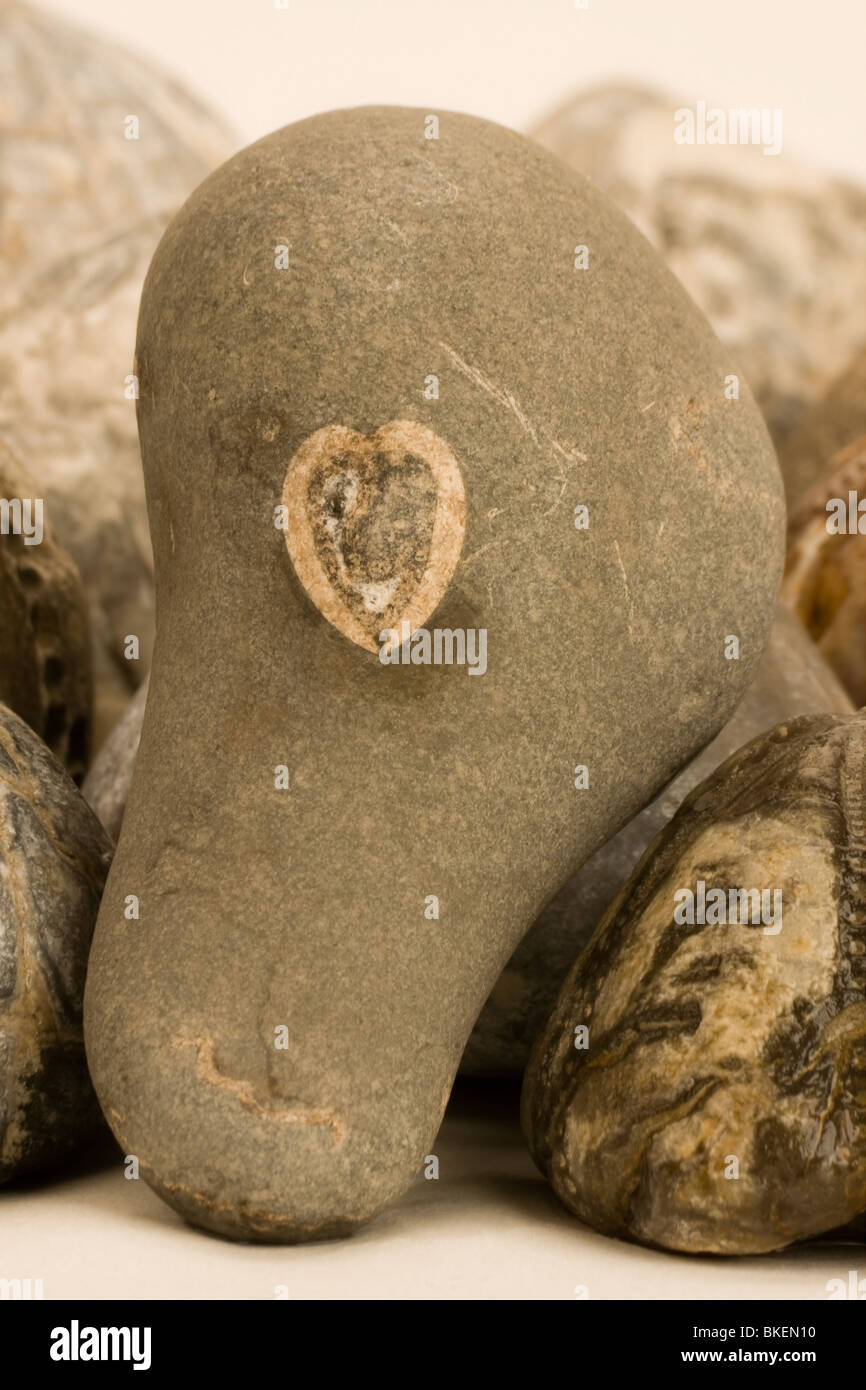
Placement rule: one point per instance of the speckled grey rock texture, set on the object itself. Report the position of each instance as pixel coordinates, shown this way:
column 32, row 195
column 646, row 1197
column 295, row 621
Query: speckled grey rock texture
column 54, row 856
column 366, row 901
column 793, row 679
column 714, row 1100
column 81, row 210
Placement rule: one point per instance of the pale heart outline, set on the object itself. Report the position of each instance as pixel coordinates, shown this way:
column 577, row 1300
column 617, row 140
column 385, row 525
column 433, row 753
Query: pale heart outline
column 446, row 541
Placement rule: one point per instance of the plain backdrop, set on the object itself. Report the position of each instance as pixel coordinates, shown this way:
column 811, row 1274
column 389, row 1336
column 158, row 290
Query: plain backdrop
column 509, row 60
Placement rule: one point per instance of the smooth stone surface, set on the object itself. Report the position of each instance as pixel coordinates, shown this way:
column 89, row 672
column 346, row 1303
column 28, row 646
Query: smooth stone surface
column 792, row 680
column 721, row 1042
column 45, row 653
column 774, row 252
column 54, row 856
column 81, row 210
column 106, row 786
column 825, row 573
column 310, row 907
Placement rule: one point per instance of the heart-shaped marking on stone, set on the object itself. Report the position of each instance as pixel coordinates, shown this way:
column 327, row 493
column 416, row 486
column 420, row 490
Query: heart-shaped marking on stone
column 375, row 525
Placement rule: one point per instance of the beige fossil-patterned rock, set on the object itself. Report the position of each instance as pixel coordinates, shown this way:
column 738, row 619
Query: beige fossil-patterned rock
column 81, row 210
column 45, row 653
column 825, row 574
column 792, row 680
column 836, row 420
column 772, row 251
column 699, row 1084
column 54, row 856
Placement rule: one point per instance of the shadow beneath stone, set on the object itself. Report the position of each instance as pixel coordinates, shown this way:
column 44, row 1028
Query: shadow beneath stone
column 99, row 1154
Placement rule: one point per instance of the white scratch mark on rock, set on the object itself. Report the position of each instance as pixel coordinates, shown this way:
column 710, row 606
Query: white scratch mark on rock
column 508, row 402
column 627, row 589
column 470, row 559
column 397, row 230
column 445, row 190
column 553, row 508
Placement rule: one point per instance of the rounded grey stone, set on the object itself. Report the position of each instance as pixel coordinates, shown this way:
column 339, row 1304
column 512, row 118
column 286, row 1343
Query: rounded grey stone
column 307, row 904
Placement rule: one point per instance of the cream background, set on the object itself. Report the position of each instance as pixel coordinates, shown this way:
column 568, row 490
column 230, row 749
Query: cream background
column 509, row 60
column 489, row 1228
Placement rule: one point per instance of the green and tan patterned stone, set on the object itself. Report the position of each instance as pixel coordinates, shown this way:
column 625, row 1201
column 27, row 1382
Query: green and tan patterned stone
column 699, row 1084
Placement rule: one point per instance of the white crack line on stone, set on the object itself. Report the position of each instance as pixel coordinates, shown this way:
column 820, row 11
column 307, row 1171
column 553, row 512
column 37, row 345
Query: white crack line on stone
column 470, row 559
column 508, row 402
column 627, row 589
column 552, row 509
column 397, row 230
column 452, row 192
